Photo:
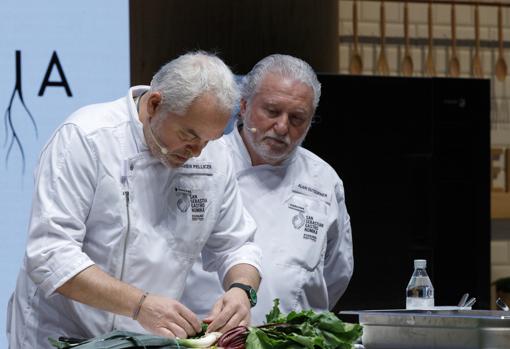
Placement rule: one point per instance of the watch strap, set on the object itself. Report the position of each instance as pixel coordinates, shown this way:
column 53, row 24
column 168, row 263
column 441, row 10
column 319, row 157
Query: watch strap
column 250, row 292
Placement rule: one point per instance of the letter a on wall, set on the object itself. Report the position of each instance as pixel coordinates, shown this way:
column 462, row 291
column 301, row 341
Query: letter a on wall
column 55, row 62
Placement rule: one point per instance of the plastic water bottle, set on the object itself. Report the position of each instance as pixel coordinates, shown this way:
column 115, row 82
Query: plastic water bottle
column 419, row 291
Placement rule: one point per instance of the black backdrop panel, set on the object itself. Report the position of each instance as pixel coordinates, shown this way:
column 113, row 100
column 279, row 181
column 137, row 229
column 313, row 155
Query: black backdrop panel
column 414, row 155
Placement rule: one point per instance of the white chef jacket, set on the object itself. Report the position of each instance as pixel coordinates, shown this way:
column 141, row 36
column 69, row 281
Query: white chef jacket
column 303, row 229
column 101, row 198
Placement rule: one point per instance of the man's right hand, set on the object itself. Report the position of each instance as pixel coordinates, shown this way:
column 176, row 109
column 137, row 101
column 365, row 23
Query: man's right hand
column 167, row 317
column 159, row 315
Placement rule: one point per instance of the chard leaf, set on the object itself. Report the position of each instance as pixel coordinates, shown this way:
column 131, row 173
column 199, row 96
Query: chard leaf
column 274, row 316
column 304, row 329
column 309, row 342
column 258, row 339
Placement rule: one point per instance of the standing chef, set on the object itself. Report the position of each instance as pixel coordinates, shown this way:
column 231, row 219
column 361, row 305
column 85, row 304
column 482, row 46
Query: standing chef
column 296, row 199
column 127, row 195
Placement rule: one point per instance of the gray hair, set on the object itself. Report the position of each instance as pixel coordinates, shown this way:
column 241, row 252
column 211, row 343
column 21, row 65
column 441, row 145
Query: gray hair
column 286, row 66
column 189, row 76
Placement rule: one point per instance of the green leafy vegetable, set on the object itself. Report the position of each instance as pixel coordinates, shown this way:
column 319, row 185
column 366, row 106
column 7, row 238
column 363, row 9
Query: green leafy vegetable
column 296, row 330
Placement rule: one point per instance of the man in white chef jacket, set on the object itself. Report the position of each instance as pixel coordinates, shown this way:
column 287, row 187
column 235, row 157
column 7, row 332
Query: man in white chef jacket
column 126, row 197
column 296, row 199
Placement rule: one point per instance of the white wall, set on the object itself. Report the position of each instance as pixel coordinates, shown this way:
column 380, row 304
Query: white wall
column 91, row 40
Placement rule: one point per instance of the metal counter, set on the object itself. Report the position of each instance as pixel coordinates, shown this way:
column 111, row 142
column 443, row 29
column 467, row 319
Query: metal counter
column 434, row 329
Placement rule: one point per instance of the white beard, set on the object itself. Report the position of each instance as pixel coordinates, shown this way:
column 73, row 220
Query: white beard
column 265, row 151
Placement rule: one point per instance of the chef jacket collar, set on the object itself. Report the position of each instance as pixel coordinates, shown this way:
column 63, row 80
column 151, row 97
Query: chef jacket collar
column 136, row 124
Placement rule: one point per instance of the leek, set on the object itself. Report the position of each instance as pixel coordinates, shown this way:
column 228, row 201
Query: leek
column 206, row 341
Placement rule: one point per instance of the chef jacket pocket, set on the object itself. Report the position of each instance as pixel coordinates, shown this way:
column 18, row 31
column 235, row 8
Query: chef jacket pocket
column 308, row 221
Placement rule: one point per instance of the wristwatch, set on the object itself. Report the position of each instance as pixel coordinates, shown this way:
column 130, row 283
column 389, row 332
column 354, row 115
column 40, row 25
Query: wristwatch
column 250, row 292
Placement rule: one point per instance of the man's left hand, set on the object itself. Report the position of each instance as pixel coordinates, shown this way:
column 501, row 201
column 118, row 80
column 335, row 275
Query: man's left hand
column 231, row 310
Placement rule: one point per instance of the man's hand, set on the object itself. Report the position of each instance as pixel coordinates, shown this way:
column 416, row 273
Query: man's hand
column 167, row 317
column 231, row 310
column 159, row 315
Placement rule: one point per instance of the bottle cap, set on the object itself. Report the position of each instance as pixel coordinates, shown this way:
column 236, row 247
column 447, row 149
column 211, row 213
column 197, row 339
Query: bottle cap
column 420, row 263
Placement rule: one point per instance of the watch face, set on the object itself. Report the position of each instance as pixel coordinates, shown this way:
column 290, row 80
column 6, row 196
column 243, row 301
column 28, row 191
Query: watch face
column 253, row 297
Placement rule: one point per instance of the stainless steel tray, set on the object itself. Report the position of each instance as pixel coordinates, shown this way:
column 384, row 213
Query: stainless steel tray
column 434, row 329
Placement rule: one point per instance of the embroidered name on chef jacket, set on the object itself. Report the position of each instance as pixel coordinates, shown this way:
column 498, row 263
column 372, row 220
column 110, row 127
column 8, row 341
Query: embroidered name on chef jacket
column 312, row 191
column 202, row 168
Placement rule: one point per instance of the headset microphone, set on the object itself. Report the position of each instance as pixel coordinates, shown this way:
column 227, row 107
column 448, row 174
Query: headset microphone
column 251, row 129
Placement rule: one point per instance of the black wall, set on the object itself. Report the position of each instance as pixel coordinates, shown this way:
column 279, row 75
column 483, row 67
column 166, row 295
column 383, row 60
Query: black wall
column 414, row 155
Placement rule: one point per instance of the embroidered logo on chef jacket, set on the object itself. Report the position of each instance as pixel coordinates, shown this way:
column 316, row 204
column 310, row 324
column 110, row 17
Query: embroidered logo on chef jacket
column 183, row 202
column 298, row 220
column 198, row 205
column 311, row 225
column 194, row 199
column 311, row 228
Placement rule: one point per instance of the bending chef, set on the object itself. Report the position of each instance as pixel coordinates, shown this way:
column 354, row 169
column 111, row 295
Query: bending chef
column 126, row 196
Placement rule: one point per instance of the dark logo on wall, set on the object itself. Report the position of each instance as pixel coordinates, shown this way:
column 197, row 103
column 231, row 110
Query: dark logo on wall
column 12, row 137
